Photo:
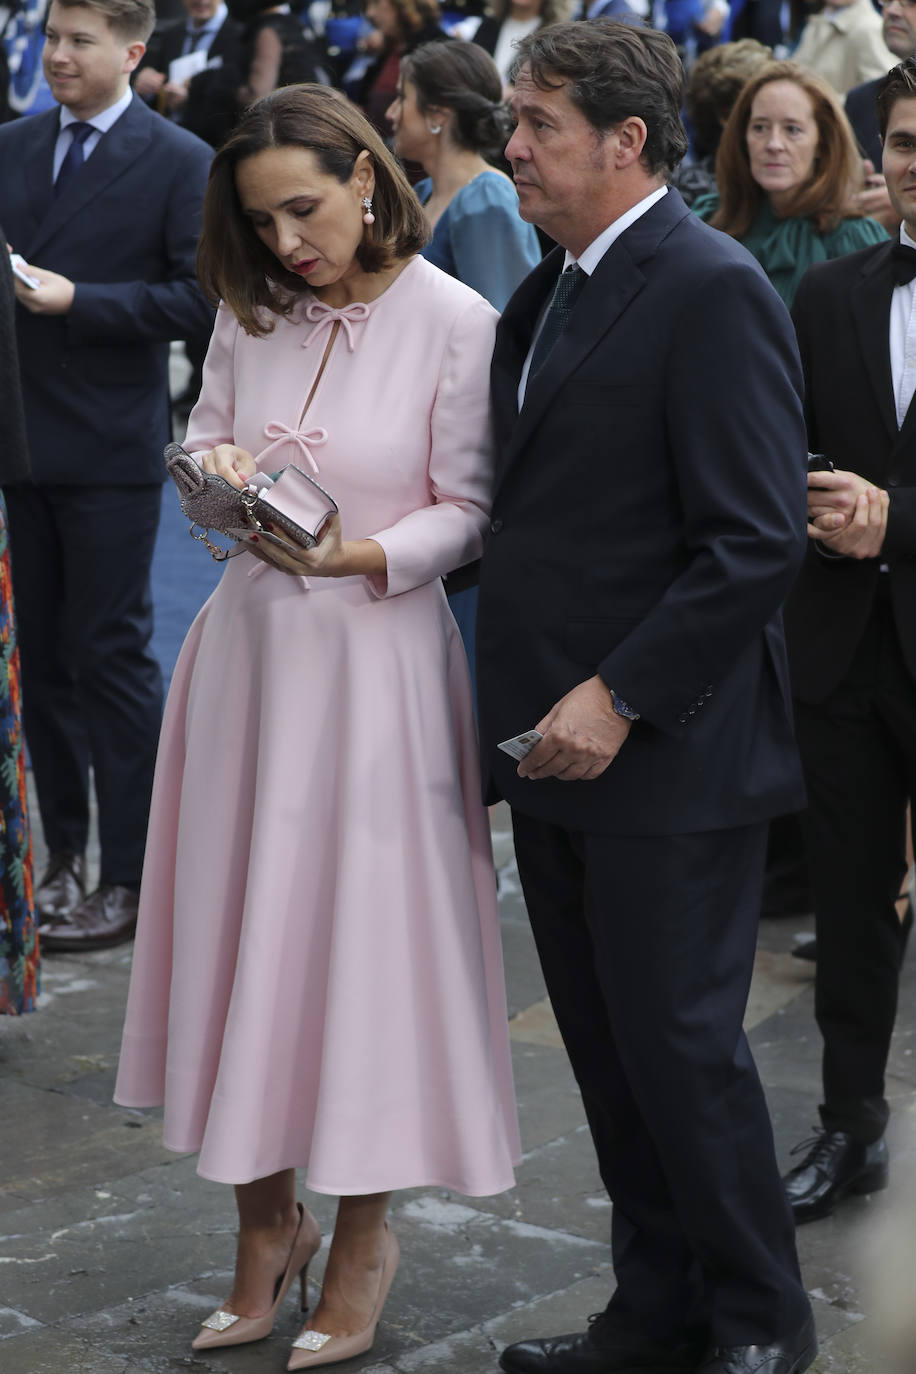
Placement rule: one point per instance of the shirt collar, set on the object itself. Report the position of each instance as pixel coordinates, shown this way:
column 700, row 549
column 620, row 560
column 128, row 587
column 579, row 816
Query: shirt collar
column 905, row 238
column 590, row 257
column 212, row 25
column 104, row 119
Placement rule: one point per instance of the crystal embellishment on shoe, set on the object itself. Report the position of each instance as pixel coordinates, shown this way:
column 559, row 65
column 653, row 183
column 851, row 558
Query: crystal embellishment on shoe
column 311, row 1340
column 220, row 1320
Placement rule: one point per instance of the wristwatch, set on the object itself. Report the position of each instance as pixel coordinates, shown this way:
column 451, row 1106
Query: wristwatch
column 621, row 707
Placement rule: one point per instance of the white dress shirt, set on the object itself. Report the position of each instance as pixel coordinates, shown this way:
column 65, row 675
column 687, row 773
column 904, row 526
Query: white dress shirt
column 588, row 261
column 903, row 339
column 101, row 123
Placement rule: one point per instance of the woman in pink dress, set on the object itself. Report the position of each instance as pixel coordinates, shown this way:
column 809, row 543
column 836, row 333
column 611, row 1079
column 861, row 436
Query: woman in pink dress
column 317, row 980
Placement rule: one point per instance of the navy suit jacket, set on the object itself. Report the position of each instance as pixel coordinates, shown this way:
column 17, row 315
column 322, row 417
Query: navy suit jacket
column 125, row 230
column 863, row 116
column 648, row 522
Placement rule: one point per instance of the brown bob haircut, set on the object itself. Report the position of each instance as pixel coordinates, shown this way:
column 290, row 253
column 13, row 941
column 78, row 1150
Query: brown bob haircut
column 827, row 197
column 234, row 265
column 131, row 20
column 899, row 84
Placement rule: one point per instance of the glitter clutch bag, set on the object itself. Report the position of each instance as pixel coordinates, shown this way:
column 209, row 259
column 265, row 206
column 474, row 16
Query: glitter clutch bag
column 290, row 512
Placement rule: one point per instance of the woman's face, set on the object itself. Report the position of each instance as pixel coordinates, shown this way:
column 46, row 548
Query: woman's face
column 383, row 16
column 311, row 222
column 782, row 140
column 411, row 128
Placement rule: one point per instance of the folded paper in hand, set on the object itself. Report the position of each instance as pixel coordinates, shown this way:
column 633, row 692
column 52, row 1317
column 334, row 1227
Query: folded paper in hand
column 294, row 506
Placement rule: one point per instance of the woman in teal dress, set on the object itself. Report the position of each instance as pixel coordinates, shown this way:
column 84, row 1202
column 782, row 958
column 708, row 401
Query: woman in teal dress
column 787, row 172
column 449, row 116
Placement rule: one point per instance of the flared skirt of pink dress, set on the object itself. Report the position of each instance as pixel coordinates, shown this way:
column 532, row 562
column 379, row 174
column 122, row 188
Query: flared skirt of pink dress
column 317, row 979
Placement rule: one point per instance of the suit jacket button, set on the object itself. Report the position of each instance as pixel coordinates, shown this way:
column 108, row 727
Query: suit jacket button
column 709, row 691
column 496, row 525
column 893, row 481
column 691, row 710
column 683, row 719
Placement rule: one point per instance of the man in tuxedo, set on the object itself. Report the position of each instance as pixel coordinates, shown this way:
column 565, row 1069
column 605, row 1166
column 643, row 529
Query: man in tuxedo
column 647, row 524
column 851, row 628
column 103, row 198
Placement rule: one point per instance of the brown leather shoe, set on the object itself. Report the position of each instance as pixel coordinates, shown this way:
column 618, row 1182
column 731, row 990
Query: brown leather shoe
column 62, row 888
column 106, row 917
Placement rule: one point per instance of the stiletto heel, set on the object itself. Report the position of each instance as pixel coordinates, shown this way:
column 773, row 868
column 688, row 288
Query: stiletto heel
column 304, row 1289
column 314, row 1347
column 226, row 1328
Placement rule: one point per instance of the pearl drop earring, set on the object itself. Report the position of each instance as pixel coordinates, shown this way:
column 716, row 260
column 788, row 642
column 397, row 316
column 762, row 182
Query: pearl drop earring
column 435, row 128
column 368, row 217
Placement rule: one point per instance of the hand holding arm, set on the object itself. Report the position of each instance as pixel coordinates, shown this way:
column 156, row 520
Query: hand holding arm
column 582, row 736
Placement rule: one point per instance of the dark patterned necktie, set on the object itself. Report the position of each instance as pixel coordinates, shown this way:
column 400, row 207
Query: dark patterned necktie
column 74, row 158
column 903, row 262
column 566, row 292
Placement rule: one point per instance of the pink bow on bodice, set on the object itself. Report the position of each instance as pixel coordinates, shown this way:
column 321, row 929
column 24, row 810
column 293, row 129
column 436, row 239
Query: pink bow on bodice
column 304, row 439
column 323, row 317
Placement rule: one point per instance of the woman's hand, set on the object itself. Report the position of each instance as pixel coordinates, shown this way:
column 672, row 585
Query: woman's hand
column 332, row 556
column 229, row 461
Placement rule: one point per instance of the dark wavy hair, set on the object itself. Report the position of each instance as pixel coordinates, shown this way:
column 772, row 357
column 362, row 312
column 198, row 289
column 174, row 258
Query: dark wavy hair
column 827, row 197
column 464, row 79
column 899, row 84
column 613, row 71
column 234, row 265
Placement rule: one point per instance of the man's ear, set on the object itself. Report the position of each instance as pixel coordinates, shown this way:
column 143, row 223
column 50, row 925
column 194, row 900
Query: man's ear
column 631, row 140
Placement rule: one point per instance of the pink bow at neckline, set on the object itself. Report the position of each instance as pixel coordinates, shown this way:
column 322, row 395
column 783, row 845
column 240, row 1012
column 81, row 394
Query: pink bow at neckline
column 280, row 433
column 325, row 317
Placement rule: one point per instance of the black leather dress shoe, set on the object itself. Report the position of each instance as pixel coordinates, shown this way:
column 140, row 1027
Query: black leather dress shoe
column 782, row 1357
column 62, row 887
column 602, row 1349
column 106, row 917
column 835, row 1165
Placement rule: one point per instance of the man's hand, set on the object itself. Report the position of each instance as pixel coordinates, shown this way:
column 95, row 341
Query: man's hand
column 147, row 82
column 174, row 95
column 835, row 493
column 53, row 295
column 582, row 736
column 863, row 535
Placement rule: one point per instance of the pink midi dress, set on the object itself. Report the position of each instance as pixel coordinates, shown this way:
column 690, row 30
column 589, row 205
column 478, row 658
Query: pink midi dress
column 317, row 978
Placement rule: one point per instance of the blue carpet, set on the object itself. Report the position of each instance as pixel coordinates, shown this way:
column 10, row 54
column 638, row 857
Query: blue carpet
column 184, row 575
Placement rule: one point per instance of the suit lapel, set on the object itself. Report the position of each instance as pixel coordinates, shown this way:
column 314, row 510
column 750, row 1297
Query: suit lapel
column 38, row 162
column 615, row 282
column 870, row 302
column 123, row 143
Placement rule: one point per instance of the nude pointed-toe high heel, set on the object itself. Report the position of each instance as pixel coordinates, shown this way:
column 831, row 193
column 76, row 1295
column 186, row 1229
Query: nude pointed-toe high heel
column 314, row 1347
column 226, row 1328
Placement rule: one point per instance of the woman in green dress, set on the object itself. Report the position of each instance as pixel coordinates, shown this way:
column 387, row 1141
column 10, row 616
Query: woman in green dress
column 788, row 171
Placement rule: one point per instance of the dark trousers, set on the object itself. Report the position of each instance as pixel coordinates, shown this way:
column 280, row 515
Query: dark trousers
column 858, row 750
column 647, row 946
column 91, row 688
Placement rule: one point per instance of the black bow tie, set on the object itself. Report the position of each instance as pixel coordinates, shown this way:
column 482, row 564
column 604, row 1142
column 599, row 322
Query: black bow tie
column 904, row 263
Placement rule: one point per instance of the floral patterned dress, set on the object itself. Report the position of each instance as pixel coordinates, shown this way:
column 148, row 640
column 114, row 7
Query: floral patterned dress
column 18, row 935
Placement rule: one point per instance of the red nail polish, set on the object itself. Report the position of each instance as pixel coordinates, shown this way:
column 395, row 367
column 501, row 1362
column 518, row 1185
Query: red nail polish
column 254, row 539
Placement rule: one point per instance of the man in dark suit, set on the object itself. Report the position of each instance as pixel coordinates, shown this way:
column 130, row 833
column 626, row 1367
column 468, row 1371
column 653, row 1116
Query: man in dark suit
column 207, row 30
column 648, row 522
column 103, row 199
column 899, row 33
column 851, row 625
